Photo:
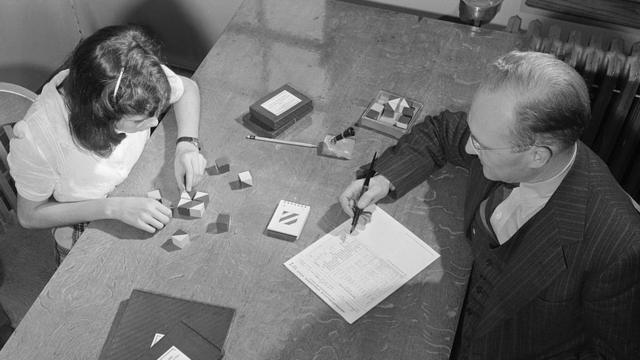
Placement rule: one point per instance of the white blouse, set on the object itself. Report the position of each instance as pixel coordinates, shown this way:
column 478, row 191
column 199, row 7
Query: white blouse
column 44, row 160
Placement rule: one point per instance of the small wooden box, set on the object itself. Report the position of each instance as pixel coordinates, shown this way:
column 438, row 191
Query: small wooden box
column 391, row 114
column 280, row 109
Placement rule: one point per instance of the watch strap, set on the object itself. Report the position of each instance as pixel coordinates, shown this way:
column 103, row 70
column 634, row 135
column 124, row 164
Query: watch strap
column 195, row 141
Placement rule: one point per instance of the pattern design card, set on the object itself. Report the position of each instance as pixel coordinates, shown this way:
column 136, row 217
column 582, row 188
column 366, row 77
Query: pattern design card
column 288, row 220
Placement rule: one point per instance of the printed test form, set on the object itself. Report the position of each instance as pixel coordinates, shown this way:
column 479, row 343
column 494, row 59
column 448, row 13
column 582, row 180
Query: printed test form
column 352, row 273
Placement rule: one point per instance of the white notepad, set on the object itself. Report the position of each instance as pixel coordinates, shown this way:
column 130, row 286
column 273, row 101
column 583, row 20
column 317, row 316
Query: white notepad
column 288, row 220
column 353, row 273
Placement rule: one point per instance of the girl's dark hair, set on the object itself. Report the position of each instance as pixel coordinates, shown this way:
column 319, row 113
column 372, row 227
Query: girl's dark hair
column 95, row 66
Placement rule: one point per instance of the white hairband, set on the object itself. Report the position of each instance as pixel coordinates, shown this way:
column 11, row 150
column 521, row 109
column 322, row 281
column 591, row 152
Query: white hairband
column 115, row 91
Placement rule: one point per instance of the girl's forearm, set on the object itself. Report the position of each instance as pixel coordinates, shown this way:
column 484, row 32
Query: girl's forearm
column 187, row 109
column 51, row 213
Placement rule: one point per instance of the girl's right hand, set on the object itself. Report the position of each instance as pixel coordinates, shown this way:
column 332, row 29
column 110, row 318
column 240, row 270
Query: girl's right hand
column 143, row 213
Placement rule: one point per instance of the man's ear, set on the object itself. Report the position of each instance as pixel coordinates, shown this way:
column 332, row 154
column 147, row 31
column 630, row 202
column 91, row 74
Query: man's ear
column 540, row 156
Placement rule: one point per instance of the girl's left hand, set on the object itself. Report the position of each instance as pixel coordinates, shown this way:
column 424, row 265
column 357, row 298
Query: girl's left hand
column 189, row 165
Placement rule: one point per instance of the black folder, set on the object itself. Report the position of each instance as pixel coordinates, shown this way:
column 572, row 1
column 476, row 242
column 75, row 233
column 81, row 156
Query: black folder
column 145, row 314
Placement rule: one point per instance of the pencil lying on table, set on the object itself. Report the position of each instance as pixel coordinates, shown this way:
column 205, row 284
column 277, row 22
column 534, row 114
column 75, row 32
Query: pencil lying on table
column 283, row 142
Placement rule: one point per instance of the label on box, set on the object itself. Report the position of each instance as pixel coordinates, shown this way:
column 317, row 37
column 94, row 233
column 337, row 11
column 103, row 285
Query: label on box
column 280, row 103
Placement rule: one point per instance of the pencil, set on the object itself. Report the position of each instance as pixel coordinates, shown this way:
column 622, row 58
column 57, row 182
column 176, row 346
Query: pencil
column 283, row 142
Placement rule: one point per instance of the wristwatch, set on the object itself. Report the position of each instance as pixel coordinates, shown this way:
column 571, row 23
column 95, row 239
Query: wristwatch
column 190, row 139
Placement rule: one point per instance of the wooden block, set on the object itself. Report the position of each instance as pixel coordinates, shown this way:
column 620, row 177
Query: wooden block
column 191, row 208
column 403, row 122
column 193, row 203
column 180, row 239
column 222, row 164
column 394, row 103
column 377, row 107
column 211, row 170
column 196, row 209
column 408, row 111
column 202, row 197
column 181, row 209
column 387, row 113
column 169, row 246
column 245, row 179
column 403, row 105
column 388, row 119
column 155, row 194
column 222, row 222
column 372, row 114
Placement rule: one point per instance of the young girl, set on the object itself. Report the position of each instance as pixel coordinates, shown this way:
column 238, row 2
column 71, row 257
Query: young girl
column 89, row 126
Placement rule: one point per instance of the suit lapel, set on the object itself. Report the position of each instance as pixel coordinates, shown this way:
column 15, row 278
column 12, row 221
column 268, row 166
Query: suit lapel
column 478, row 188
column 540, row 256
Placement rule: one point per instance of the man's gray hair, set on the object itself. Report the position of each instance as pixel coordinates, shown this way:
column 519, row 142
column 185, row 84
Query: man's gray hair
column 552, row 105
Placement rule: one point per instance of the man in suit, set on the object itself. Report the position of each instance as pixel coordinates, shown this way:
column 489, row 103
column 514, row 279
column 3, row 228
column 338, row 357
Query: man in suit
column 556, row 270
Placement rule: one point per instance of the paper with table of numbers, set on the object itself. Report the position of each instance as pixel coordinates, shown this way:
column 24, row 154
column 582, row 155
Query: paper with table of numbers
column 353, row 273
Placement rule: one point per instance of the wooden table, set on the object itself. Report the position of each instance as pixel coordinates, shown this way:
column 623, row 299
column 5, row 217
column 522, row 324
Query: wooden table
column 339, row 54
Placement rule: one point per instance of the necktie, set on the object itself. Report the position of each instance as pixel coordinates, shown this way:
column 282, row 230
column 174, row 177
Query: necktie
column 497, row 196
column 500, row 193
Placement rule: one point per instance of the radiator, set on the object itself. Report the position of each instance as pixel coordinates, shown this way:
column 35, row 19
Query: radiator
column 613, row 78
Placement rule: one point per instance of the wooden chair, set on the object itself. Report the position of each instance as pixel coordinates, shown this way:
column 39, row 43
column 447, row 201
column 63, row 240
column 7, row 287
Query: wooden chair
column 14, row 103
column 26, row 263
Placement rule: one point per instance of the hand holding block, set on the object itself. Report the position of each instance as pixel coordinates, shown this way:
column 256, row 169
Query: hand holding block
column 180, row 239
column 245, row 179
column 155, row 194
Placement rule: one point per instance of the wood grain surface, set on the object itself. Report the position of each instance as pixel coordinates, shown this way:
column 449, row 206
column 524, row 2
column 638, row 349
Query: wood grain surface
column 338, row 54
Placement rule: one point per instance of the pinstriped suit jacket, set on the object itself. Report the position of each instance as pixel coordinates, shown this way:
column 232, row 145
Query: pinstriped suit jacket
column 572, row 287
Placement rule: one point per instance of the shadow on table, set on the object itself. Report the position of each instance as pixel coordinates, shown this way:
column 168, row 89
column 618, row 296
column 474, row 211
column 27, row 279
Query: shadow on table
column 121, row 231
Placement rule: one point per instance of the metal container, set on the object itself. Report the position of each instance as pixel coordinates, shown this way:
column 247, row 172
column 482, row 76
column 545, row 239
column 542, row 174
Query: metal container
column 478, row 12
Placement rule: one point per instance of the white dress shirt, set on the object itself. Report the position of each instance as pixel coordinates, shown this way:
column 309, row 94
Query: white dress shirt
column 45, row 160
column 524, row 202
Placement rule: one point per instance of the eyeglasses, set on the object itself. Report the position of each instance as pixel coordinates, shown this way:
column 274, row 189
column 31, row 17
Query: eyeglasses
column 479, row 147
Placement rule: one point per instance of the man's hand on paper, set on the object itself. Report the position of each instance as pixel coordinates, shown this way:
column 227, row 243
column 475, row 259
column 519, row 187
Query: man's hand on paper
column 379, row 187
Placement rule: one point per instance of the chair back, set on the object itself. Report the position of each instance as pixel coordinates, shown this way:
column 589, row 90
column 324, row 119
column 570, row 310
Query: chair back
column 14, row 103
